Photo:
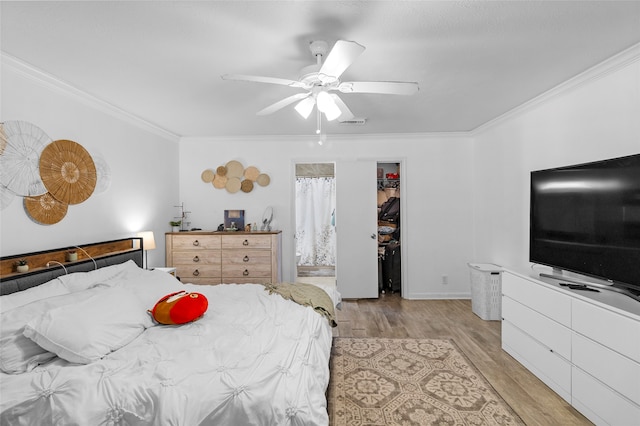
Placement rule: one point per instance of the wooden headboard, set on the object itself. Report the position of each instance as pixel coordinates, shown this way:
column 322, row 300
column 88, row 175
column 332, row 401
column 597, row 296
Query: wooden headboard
column 90, row 256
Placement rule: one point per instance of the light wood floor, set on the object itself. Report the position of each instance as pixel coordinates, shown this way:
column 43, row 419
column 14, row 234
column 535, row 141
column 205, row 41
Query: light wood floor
column 394, row 317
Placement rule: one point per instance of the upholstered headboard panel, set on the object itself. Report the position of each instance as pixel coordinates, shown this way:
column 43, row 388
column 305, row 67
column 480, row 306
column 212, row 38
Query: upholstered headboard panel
column 98, row 255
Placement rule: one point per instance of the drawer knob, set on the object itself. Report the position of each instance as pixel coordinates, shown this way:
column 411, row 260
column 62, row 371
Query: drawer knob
column 196, row 259
column 246, row 272
column 196, row 273
column 245, row 243
column 196, row 243
column 245, row 259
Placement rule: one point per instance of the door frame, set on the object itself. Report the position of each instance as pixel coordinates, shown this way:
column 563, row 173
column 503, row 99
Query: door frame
column 305, row 160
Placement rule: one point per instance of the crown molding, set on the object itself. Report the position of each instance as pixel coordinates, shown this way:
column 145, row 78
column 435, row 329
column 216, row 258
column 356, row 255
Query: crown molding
column 55, row 84
column 607, row 67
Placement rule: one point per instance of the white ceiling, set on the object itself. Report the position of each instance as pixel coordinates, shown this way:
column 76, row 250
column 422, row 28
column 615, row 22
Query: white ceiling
column 162, row 60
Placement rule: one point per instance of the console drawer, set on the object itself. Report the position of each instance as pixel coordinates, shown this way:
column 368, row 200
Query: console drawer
column 553, row 335
column 613, row 330
column 551, row 368
column 548, row 302
column 607, row 366
column 601, row 404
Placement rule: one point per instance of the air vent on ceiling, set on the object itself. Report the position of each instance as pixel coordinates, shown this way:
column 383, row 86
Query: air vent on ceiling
column 355, row 122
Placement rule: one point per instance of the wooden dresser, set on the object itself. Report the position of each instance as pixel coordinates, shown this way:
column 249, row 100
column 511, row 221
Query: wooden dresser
column 225, row 257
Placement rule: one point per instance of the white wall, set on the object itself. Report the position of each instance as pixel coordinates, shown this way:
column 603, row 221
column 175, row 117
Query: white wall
column 593, row 117
column 437, row 193
column 143, row 164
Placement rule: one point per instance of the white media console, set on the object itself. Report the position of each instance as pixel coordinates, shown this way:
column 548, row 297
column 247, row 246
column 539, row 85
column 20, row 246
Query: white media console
column 584, row 345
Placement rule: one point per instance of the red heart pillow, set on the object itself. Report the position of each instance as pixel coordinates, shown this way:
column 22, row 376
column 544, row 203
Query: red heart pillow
column 180, row 308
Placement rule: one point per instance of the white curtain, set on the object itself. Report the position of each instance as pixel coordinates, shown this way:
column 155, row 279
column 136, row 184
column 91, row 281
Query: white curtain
column 315, row 221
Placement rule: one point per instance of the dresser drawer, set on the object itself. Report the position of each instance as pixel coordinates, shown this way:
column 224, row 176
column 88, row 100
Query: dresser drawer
column 205, row 281
column 199, row 257
column 188, row 272
column 254, row 280
column 246, row 271
column 196, row 242
column 246, row 241
column 246, row 257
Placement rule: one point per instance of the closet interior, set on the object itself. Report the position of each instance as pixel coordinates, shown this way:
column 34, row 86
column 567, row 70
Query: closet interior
column 389, row 257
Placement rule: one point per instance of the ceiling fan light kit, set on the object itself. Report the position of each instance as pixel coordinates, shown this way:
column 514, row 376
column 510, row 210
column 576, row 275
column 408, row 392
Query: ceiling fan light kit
column 323, row 77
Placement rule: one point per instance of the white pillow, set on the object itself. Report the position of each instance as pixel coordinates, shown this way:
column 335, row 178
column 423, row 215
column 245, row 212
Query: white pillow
column 76, row 281
column 52, row 288
column 18, row 353
column 79, row 281
column 149, row 286
column 91, row 329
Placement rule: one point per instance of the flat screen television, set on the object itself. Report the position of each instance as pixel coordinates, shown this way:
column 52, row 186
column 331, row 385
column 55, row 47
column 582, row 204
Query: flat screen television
column 585, row 219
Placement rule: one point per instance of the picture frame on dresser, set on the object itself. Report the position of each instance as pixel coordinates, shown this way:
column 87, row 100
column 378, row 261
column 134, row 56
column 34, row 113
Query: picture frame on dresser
column 233, row 220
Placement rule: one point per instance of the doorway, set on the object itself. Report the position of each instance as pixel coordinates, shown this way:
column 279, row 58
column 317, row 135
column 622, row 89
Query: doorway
column 389, row 228
column 315, row 231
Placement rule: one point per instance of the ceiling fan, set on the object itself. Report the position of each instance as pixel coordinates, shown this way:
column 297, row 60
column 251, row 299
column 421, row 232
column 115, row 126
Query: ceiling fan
column 321, row 79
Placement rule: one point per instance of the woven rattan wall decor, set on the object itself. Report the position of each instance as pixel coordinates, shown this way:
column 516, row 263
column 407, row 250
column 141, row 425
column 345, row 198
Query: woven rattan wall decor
column 49, row 175
column 234, row 177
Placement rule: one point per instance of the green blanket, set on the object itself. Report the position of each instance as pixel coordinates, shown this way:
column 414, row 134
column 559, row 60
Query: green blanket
column 306, row 295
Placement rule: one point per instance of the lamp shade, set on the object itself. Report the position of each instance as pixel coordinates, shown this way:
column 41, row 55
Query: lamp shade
column 327, row 105
column 148, row 240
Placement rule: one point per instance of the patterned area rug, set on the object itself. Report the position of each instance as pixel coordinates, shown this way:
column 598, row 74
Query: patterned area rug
column 410, row 382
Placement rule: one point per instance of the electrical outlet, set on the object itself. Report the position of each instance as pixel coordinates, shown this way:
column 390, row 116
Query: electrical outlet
column 445, row 280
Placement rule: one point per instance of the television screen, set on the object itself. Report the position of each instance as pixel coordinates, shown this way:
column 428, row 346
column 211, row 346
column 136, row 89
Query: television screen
column 586, row 219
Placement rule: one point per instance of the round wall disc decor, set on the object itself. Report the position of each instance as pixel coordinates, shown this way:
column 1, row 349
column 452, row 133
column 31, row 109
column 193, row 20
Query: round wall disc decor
column 44, row 209
column 207, row 176
column 234, row 169
column 68, row 171
column 23, row 145
column 251, row 173
column 233, row 185
column 263, row 179
column 246, row 185
column 219, row 181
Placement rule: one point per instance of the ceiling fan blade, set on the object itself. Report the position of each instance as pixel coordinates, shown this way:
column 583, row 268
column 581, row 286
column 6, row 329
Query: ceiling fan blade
column 346, row 114
column 283, row 103
column 343, row 54
column 260, row 79
column 381, row 87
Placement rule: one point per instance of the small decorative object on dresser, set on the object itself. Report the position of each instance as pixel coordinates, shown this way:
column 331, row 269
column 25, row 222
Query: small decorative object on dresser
column 71, row 255
column 22, row 265
column 175, row 225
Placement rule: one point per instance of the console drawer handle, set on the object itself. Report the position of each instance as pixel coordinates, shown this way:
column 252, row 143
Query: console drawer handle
column 196, row 273
column 196, row 243
column 196, row 259
column 245, row 243
column 246, row 272
column 245, row 259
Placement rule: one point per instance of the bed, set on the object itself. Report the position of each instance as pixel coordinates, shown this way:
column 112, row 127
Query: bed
column 254, row 357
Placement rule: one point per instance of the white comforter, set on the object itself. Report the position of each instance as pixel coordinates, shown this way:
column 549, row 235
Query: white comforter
column 253, row 359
